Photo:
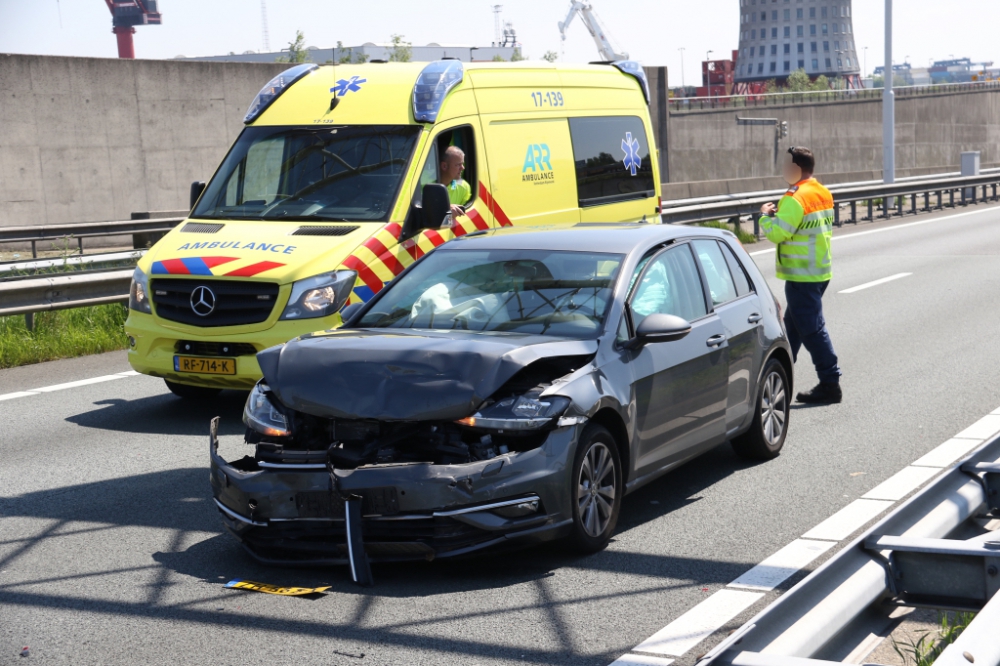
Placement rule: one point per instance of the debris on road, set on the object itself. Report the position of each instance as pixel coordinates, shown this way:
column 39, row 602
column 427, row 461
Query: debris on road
column 25, row 651
column 274, row 589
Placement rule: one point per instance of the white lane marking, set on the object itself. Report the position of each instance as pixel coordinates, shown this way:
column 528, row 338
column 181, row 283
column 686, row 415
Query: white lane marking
column 67, row 385
column 901, row 484
column 874, row 283
column 641, row 660
column 783, row 564
column 984, row 428
column 82, row 382
column 947, row 453
column 848, row 520
column 895, row 227
column 18, row 394
column 699, row 623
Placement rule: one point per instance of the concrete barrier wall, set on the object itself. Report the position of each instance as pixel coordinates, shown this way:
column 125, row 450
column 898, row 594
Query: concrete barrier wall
column 89, row 139
column 709, row 153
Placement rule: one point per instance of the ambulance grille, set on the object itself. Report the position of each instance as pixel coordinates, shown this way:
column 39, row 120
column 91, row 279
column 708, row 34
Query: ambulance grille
column 237, row 302
column 324, row 231
column 201, row 228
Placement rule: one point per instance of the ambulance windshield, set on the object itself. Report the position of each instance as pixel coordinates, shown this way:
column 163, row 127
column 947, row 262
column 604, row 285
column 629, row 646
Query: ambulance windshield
column 305, row 173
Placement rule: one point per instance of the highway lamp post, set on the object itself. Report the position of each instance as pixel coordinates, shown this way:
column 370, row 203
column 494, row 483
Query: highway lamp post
column 888, row 106
column 683, row 86
column 708, row 53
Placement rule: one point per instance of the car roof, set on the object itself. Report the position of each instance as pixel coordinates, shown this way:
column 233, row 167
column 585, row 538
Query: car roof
column 617, row 238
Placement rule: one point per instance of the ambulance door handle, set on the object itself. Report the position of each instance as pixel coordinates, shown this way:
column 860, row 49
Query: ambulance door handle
column 754, row 318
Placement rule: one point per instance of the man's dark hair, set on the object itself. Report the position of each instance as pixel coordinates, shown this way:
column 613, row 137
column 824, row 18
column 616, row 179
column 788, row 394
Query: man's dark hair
column 803, row 158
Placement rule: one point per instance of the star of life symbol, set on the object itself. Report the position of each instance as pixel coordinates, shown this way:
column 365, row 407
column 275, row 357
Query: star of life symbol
column 345, row 86
column 632, row 160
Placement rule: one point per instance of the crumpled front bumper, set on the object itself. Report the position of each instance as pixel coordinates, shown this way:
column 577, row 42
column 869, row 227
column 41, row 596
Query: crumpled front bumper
column 411, row 511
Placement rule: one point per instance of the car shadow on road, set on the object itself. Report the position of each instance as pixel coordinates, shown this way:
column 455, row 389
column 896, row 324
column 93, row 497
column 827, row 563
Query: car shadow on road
column 166, row 414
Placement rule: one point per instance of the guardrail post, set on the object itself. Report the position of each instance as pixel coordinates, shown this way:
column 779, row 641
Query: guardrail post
column 940, row 202
column 29, row 321
column 854, row 212
column 836, row 215
column 927, row 201
column 899, row 205
column 79, row 242
column 34, row 250
column 871, row 211
column 885, row 207
column 756, row 224
column 951, row 198
column 913, row 204
column 994, row 191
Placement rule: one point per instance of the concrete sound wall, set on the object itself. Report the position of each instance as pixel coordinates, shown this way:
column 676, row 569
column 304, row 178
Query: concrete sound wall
column 709, row 153
column 88, row 139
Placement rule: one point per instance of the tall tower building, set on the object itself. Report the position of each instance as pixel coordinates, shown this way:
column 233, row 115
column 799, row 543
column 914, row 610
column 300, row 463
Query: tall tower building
column 778, row 37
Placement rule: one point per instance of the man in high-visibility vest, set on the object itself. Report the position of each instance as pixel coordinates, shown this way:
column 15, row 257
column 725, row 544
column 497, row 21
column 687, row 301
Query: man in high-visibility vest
column 801, row 225
column 451, row 168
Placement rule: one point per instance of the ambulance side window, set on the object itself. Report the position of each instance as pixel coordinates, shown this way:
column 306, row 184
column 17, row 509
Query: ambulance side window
column 460, row 137
column 612, row 158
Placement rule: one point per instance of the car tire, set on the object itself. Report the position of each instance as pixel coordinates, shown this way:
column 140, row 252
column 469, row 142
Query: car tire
column 766, row 436
column 595, row 506
column 189, row 392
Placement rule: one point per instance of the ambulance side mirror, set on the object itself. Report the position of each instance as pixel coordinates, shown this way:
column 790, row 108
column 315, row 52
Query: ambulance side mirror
column 197, row 187
column 436, row 205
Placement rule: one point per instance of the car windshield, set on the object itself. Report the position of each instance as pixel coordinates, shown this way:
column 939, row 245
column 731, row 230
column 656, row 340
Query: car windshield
column 295, row 173
column 541, row 292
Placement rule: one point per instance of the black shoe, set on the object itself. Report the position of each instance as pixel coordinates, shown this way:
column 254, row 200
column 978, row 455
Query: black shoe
column 824, row 393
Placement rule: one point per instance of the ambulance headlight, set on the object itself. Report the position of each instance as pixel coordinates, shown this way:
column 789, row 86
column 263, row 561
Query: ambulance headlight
column 138, row 293
column 274, row 88
column 320, row 295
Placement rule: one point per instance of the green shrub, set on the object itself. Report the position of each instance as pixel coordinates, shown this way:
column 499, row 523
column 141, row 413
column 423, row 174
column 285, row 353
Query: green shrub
column 62, row 334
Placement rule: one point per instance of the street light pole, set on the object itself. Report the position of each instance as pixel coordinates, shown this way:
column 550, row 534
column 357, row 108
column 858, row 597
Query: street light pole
column 888, row 106
column 681, row 49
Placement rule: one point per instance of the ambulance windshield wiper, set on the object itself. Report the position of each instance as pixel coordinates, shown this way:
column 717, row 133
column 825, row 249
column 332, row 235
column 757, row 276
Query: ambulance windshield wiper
column 319, row 215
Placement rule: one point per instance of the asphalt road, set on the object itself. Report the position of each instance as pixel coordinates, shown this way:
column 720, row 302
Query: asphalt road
column 111, row 551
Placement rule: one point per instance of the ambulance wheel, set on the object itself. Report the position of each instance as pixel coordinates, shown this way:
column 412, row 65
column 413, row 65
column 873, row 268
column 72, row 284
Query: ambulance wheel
column 189, row 392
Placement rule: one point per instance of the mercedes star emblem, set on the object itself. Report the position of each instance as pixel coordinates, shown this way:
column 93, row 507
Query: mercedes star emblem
column 202, row 301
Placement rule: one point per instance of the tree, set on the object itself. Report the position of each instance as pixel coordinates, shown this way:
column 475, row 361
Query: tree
column 771, row 86
column 401, row 51
column 498, row 58
column 798, row 81
column 296, row 50
column 821, row 83
column 517, row 57
column 550, row 56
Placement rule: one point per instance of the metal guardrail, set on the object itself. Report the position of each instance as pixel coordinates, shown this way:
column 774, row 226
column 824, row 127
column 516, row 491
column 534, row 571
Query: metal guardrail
column 888, row 200
column 56, row 232
column 685, row 104
column 61, row 292
column 906, row 559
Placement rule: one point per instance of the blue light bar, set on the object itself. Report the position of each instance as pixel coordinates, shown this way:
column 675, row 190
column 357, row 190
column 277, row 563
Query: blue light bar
column 433, row 85
column 632, row 68
column 274, row 88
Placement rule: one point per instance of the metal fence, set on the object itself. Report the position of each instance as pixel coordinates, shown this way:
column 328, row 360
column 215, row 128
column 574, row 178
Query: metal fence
column 139, row 229
column 932, row 551
column 683, row 104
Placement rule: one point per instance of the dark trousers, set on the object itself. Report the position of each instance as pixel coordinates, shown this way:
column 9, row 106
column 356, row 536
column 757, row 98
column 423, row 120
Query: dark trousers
column 806, row 327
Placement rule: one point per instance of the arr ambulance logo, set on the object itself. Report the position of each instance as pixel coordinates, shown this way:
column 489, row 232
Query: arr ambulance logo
column 539, row 161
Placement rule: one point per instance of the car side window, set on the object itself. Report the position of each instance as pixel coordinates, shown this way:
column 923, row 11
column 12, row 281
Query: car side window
column 670, row 285
column 739, row 273
column 713, row 263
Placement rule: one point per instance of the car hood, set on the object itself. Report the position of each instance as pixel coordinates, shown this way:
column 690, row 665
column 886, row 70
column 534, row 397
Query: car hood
column 403, row 375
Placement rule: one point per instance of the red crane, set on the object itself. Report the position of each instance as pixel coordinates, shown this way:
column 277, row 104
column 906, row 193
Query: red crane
column 125, row 15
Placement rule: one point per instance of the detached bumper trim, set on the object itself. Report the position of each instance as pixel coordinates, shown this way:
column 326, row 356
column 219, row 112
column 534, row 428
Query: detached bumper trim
column 235, row 516
column 486, row 507
column 271, row 465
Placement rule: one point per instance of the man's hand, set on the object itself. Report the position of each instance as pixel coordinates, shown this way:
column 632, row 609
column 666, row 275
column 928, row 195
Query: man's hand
column 768, row 209
column 456, row 210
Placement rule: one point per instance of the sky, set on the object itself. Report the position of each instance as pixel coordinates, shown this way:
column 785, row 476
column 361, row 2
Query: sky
column 651, row 31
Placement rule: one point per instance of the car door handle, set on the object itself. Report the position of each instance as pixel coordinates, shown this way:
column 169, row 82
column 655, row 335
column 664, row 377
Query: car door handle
column 754, row 318
column 715, row 340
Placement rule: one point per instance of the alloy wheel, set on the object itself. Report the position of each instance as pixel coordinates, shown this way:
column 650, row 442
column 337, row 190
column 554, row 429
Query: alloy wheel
column 773, row 409
column 597, row 490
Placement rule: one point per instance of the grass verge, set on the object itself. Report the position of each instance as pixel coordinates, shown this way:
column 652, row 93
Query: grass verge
column 62, row 334
column 745, row 237
column 927, row 647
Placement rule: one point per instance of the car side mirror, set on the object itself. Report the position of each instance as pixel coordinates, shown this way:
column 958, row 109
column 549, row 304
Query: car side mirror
column 436, row 205
column 661, row 328
column 350, row 310
column 197, row 187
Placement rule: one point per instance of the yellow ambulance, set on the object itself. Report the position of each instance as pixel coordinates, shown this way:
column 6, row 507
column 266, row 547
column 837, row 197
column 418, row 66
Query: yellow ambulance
column 334, row 187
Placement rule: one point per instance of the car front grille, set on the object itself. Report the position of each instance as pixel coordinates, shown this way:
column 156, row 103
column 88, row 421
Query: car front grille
column 237, row 302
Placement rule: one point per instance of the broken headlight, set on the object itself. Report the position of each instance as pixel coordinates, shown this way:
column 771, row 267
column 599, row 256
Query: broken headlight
column 320, row 295
column 261, row 415
column 525, row 412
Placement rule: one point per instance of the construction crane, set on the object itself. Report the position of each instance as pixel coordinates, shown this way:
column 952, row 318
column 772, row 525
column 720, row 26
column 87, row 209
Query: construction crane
column 125, row 15
column 597, row 31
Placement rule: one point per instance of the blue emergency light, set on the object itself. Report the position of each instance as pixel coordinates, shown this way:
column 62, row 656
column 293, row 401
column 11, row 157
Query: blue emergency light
column 433, row 85
column 274, row 88
column 632, row 68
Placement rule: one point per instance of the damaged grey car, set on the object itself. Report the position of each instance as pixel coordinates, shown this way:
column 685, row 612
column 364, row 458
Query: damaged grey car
column 508, row 388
